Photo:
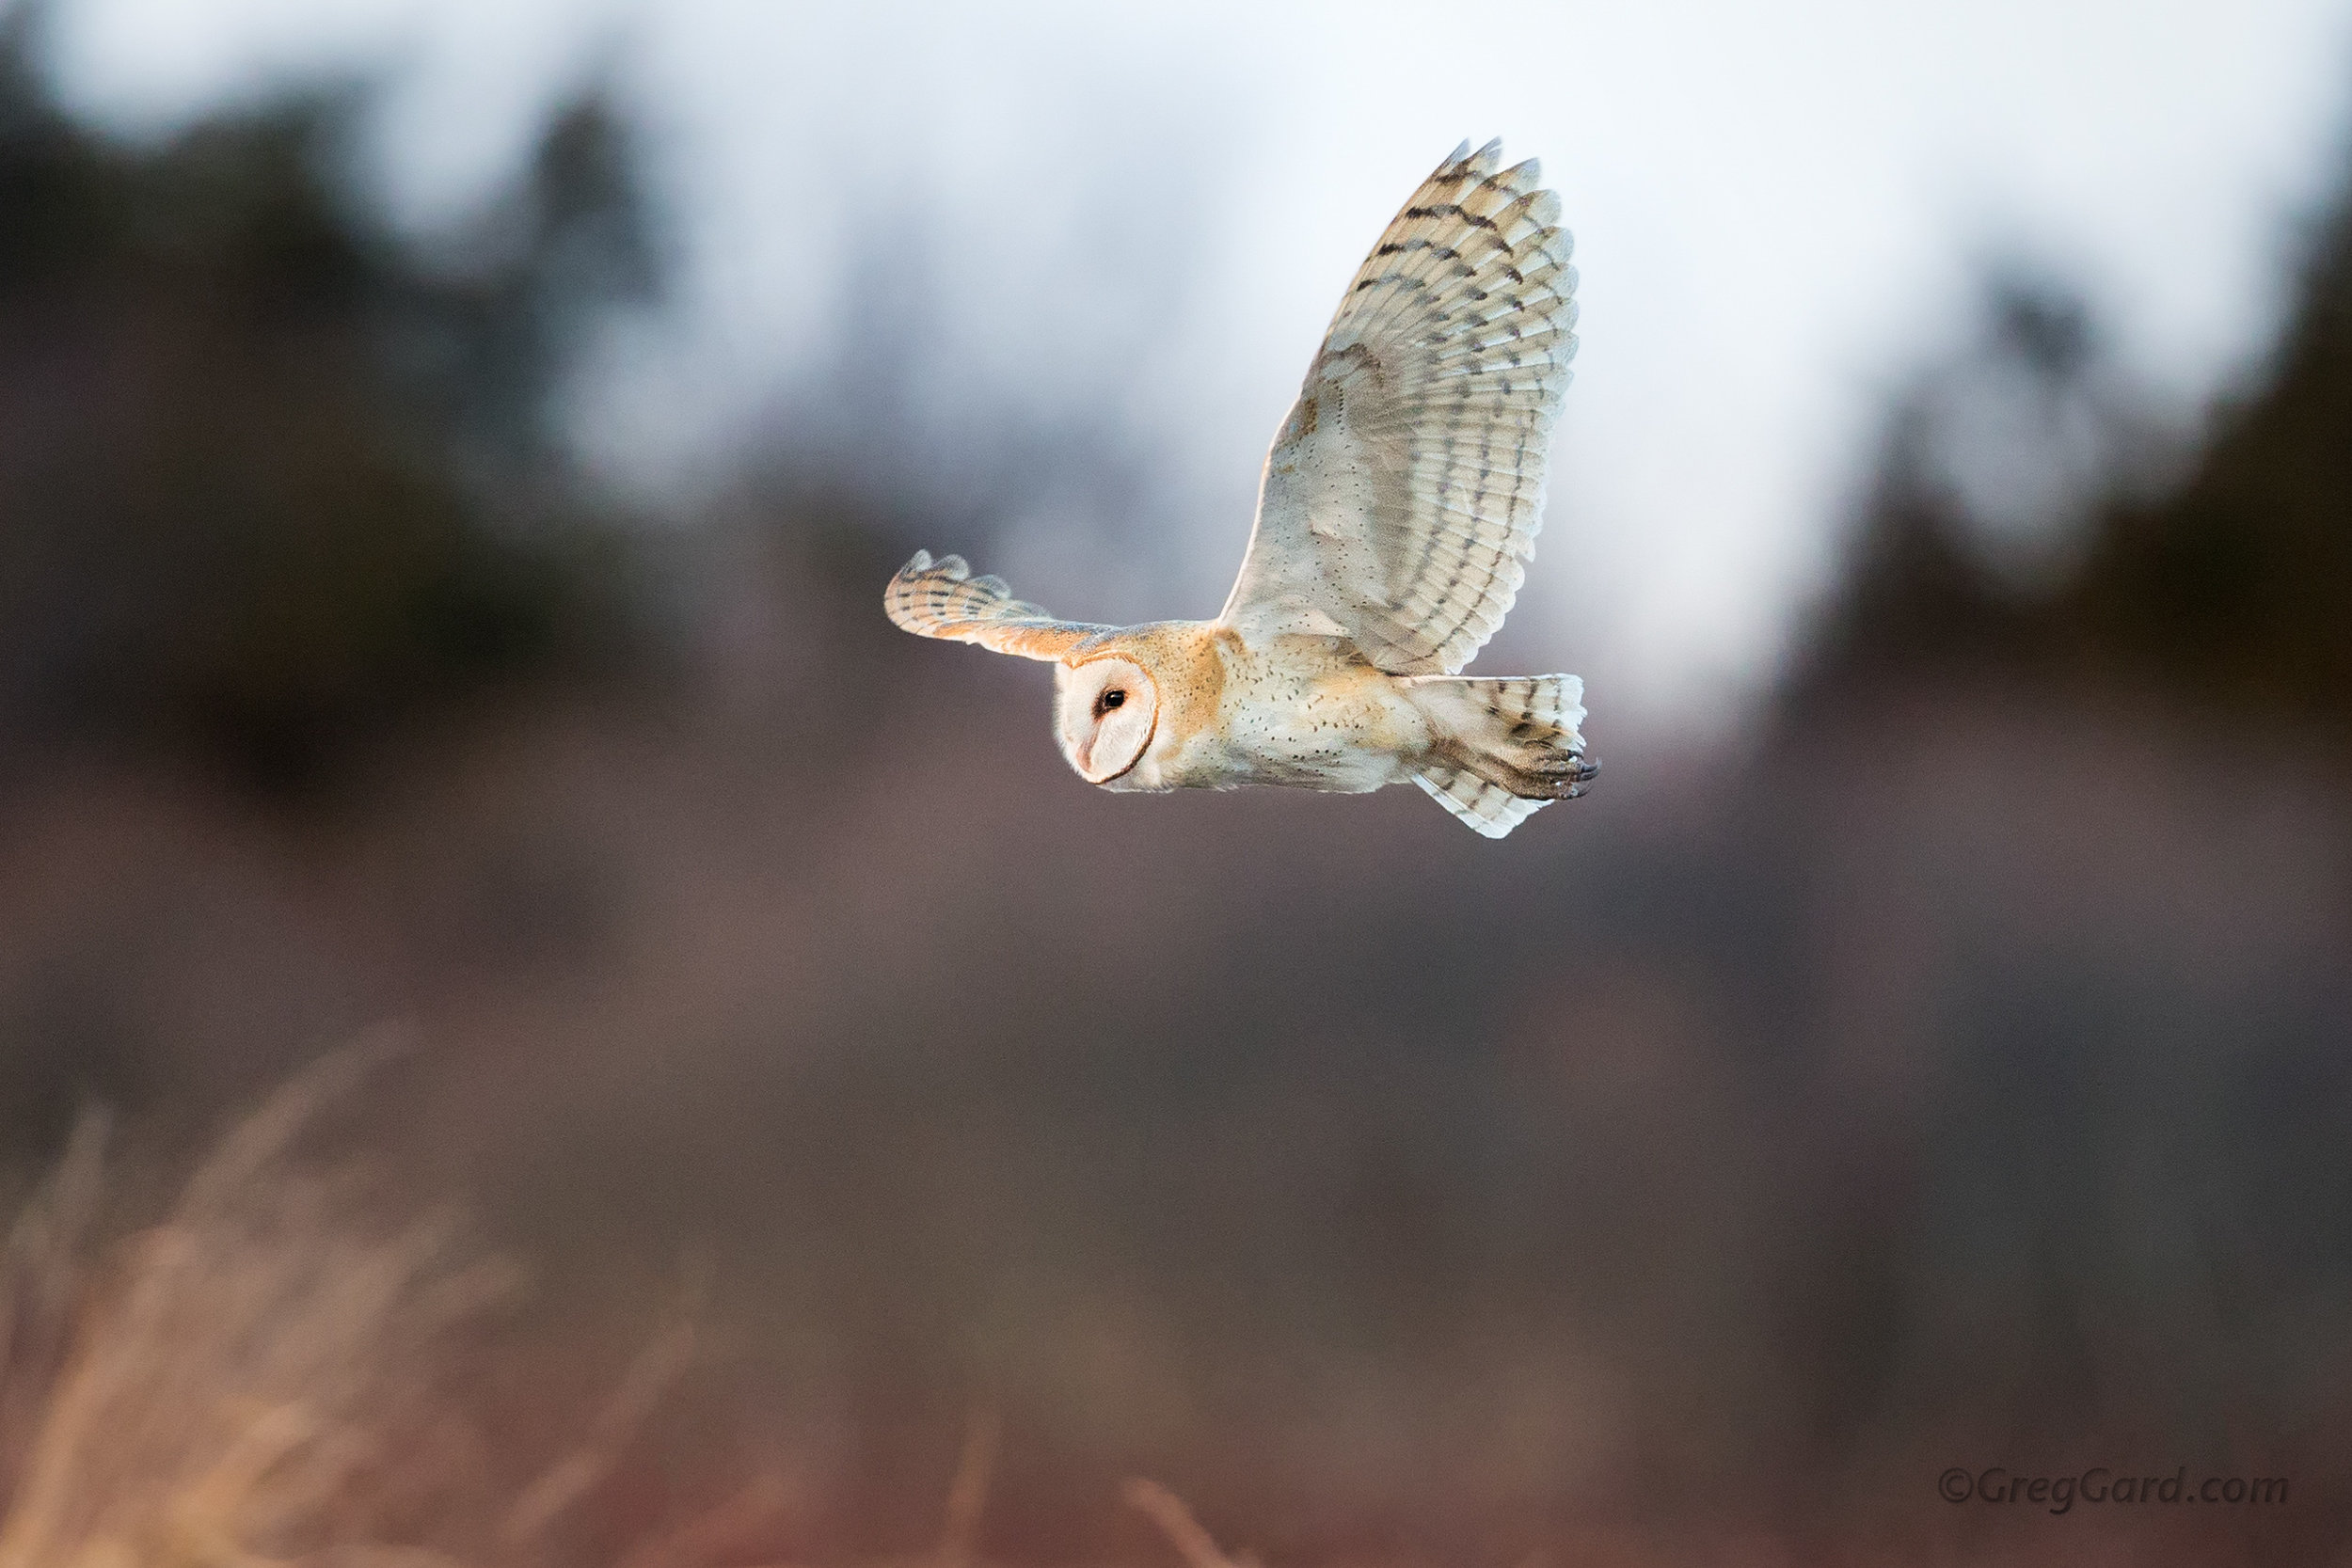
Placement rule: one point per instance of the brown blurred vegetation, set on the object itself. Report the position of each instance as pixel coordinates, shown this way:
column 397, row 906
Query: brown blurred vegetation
column 1950, row 1072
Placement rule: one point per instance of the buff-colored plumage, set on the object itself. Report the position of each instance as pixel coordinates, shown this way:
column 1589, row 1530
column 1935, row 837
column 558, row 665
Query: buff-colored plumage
column 1399, row 507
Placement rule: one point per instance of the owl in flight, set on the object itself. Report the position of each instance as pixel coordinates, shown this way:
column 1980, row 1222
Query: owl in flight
column 1399, row 503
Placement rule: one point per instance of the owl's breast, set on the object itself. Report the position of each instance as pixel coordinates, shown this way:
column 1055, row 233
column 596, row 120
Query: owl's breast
column 1303, row 711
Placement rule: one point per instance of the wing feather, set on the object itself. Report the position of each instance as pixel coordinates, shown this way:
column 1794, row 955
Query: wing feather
column 943, row 599
column 1402, row 494
column 1489, row 809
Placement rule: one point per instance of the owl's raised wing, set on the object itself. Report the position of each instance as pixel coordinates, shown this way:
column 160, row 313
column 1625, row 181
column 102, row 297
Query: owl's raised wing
column 941, row 598
column 1402, row 495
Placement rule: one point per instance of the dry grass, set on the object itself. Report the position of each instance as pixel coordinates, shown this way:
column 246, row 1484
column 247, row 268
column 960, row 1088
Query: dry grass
column 1168, row 1511
column 260, row 1378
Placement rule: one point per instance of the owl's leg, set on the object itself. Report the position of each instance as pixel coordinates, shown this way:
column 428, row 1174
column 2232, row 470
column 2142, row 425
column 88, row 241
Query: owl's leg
column 1519, row 733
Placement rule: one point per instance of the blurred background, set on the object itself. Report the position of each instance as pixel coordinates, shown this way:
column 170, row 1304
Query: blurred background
column 450, row 456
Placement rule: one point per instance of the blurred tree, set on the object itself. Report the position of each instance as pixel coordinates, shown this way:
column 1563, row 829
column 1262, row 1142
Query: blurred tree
column 2238, row 586
column 1926, row 587
column 270, row 474
column 2232, row 585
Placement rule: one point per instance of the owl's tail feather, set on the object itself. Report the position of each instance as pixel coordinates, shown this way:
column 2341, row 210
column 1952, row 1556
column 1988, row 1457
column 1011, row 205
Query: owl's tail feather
column 1503, row 749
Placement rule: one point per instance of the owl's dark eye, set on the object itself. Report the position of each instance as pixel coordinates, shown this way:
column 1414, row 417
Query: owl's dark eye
column 1114, row 698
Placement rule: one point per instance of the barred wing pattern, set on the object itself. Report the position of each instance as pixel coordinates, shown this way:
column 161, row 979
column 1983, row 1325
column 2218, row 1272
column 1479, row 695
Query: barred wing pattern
column 1489, row 809
column 1402, row 495
column 943, row 599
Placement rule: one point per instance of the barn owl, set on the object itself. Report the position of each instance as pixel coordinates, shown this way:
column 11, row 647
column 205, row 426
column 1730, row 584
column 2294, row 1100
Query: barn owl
column 1398, row 505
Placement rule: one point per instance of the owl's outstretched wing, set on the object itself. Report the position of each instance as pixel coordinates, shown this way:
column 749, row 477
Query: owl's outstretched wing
column 1402, row 495
column 941, row 598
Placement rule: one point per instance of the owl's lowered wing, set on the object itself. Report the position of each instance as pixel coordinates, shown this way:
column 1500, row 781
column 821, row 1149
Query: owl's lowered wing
column 941, row 598
column 1402, row 495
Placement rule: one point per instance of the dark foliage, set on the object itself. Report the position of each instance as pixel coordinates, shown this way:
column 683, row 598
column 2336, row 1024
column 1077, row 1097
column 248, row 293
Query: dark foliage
column 2239, row 586
column 1919, row 594
column 2230, row 588
column 270, row 474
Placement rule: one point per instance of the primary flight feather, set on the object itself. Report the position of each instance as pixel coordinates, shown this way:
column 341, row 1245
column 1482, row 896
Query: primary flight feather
column 1399, row 507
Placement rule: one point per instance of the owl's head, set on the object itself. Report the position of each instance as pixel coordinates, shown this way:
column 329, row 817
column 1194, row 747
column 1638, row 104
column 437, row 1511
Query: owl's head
column 1106, row 711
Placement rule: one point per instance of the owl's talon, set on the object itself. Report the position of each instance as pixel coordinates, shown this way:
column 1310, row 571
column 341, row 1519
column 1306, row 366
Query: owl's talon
column 1569, row 765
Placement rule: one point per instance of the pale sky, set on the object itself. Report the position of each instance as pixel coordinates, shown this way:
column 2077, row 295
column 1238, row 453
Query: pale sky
column 1778, row 210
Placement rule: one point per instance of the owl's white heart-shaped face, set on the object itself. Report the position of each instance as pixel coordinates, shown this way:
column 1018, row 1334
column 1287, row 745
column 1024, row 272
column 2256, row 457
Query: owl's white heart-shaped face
column 1105, row 713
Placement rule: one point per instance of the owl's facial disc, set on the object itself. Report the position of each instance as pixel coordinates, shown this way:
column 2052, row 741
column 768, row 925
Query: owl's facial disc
column 1106, row 713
